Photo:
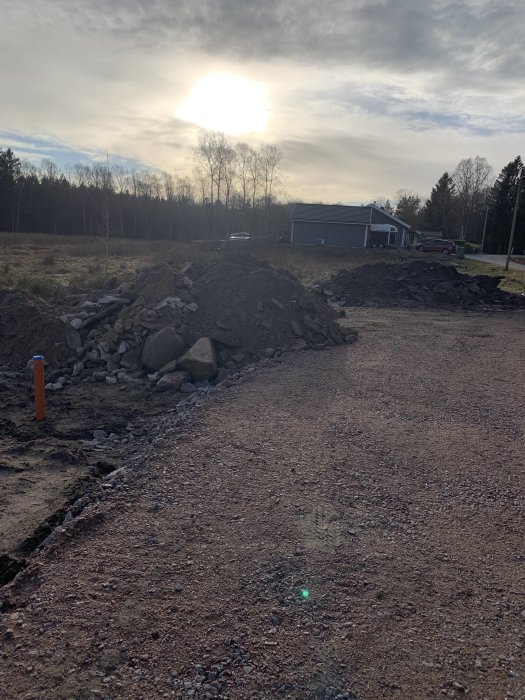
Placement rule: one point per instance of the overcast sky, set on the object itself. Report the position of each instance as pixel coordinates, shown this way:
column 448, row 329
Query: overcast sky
column 363, row 97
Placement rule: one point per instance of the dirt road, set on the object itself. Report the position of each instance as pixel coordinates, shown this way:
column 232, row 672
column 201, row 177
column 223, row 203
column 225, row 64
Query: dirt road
column 346, row 524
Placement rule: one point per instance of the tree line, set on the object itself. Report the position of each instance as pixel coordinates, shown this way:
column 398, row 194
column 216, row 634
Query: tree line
column 234, row 188
column 465, row 202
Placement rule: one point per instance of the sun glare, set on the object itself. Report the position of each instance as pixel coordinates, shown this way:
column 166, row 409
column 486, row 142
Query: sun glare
column 228, row 103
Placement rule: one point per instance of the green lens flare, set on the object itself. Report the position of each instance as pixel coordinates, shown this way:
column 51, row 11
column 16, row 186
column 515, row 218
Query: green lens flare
column 305, row 593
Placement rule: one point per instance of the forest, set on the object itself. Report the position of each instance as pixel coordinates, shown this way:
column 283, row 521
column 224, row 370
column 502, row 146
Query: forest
column 234, row 187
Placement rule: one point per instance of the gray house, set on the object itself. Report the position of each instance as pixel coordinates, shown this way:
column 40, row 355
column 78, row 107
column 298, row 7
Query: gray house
column 349, row 227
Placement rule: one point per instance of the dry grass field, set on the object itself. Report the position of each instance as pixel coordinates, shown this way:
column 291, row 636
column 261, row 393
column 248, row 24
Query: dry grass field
column 49, row 265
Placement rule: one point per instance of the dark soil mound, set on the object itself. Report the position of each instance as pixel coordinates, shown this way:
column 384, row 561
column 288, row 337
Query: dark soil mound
column 247, row 309
column 28, row 326
column 417, row 283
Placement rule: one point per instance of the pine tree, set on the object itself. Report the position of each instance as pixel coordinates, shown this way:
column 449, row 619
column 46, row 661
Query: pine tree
column 502, row 199
column 10, row 171
column 409, row 208
column 440, row 209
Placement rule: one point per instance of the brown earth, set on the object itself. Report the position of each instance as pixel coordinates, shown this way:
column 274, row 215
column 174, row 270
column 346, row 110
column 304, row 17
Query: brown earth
column 46, row 466
column 386, row 478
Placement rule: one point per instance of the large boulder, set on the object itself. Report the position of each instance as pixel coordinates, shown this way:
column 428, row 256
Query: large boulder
column 200, row 360
column 162, row 347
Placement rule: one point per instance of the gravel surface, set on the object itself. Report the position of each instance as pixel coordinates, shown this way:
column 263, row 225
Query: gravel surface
column 384, row 479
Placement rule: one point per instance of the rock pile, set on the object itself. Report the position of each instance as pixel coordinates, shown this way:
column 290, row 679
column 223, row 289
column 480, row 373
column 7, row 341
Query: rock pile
column 413, row 284
column 179, row 329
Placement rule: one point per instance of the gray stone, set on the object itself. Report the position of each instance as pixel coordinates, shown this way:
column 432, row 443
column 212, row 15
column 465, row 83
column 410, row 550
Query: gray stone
column 200, row 360
column 222, row 374
column 100, row 376
column 172, row 381
column 161, row 348
column 109, row 299
column 99, row 435
column 228, row 338
column 77, row 368
column 172, row 302
column 28, row 371
column 269, row 352
column 132, row 359
column 112, row 336
column 111, row 380
column 169, row 367
column 119, row 326
column 54, row 386
column 277, row 303
column 296, row 329
column 113, row 363
column 122, row 348
column 73, row 339
column 193, row 307
column 76, row 323
column 93, row 356
column 187, row 388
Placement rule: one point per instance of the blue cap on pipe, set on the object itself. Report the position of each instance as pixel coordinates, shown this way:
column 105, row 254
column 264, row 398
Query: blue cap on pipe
column 38, row 357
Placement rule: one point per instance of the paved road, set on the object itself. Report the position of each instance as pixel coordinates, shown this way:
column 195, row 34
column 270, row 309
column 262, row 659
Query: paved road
column 385, row 478
column 498, row 260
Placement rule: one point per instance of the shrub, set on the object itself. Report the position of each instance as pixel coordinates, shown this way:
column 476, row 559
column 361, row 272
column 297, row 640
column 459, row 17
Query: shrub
column 469, row 246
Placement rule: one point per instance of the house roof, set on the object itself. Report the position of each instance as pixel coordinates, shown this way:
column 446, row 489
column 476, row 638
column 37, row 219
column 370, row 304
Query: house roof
column 340, row 213
column 331, row 212
column 394, row 218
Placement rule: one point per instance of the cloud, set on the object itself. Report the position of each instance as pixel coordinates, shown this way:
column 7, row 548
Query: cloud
column 366, row 96
column 478, row 40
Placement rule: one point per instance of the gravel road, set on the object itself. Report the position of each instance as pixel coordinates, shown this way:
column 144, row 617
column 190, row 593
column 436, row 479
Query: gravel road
column 346, row 524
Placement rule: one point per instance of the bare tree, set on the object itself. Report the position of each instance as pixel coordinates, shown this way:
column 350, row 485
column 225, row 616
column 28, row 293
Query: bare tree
column 269, row 159
column 473, row 179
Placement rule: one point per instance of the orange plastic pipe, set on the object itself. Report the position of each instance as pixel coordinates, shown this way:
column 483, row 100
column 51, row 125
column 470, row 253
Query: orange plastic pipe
column 40, row 392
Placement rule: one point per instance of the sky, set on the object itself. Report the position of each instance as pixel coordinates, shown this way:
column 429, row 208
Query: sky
column 362, row 97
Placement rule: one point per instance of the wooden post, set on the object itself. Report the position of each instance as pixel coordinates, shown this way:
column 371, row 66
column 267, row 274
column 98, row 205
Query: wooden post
column 40, row 394
column 515, row 216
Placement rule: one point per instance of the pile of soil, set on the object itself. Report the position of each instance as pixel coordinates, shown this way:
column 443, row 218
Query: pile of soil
column 415, row 284
column 248, row 309
column 28, row 326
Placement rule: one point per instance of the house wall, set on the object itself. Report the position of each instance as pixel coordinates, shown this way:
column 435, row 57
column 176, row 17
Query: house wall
column 379, row 217
column 343, row 235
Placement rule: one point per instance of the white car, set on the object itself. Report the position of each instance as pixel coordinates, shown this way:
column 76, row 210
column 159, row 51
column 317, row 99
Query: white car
column 243, row 236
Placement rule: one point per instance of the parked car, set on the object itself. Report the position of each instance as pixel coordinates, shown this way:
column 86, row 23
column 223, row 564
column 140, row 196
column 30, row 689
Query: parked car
column 242, row 236
column 436, row 245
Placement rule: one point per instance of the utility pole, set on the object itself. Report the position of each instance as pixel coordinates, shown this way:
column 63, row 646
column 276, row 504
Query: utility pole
column 515, row 216
column 484, row 230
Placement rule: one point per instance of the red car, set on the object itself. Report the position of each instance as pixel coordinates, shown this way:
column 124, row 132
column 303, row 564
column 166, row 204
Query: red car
column 436, row 245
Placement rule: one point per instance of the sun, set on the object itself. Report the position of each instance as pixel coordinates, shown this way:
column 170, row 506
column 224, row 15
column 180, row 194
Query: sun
column 228, row 103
